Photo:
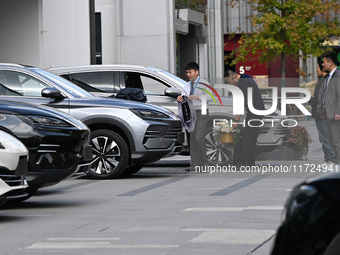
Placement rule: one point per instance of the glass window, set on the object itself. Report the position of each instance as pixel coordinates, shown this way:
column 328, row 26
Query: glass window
column 16, row 83
column 95, row 81
column 62, row 84
column 151, row 85
column 132, row 80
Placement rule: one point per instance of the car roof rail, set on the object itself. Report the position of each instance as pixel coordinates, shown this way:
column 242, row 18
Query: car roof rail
column 15, row 65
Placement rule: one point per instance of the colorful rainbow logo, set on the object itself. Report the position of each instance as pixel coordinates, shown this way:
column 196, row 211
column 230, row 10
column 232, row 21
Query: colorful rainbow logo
column 210, row 94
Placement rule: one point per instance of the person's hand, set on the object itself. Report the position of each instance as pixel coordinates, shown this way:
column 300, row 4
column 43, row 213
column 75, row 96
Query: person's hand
column 237, row 119
column 337, row 117
column 323, row 117
column 193, row 97
column 180, row 99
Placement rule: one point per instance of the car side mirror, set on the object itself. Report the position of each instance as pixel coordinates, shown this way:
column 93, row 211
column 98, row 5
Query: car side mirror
column 172, row 92
column 51, row 93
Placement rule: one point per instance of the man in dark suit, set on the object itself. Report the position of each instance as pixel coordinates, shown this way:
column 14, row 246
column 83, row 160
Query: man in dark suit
column 329, row 101
column 247, row 148
column 320, row 121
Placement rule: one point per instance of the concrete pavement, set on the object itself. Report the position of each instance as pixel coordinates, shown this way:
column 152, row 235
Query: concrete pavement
column 314, row 157
column 161, row 210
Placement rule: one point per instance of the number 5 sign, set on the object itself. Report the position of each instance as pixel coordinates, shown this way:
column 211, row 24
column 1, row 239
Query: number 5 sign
column 241, row 70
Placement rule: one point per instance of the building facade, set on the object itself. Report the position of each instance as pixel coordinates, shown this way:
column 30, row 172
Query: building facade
column 48, row 33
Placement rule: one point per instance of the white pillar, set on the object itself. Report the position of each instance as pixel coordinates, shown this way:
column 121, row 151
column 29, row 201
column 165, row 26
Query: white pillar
column 215, row 40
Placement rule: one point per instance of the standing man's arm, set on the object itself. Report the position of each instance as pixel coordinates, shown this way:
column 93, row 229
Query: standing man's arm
column 336, row 77
column 237, row 118
column 185, row 92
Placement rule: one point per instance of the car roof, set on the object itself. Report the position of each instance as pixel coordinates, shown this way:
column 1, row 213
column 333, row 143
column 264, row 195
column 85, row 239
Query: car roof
column 15, row 65
column 148, row 70
column 68, row 69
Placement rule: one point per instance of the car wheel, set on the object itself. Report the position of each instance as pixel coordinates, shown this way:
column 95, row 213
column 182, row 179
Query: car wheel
column 217, row 152
column 132, row 170
column 110, row 155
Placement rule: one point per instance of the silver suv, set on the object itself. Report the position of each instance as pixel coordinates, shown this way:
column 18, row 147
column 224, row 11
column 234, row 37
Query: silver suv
column 124, row 134
column 162, row 88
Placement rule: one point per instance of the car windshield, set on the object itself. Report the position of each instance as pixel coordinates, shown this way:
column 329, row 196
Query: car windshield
column 71, row 88
column 169, row 76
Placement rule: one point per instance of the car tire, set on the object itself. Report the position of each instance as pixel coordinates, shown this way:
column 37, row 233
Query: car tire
column 218, row 153
column 110, row 155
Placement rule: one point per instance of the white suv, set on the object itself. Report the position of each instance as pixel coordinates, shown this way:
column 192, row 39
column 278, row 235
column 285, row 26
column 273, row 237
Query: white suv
column 13, row 167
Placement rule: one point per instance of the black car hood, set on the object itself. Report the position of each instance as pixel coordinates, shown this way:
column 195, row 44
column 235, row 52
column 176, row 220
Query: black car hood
column 323, row 178
column 327, row 182
column 116, row 103
column 18, row 108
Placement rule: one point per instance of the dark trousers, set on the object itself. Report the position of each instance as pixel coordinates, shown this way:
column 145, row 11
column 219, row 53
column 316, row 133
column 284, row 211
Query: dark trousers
column 334, row 137
column 322, row 127
column 196, row 140
column 246, row 149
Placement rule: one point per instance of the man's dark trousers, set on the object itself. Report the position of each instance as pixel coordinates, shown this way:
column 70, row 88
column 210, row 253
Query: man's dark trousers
column 198, row 151
column 246, row 151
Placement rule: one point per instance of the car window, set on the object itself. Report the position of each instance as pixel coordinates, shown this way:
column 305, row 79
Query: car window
column 17, row 83
column 62, row 84
column 132, row 80
column 100, row 81
column 151, row 85
column 168, row 75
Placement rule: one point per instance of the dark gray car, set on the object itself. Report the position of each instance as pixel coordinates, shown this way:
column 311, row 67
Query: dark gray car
column 124, row 134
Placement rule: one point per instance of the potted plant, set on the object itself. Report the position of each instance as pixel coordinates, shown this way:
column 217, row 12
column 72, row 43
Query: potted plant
column 299, row 137
column 225, row 132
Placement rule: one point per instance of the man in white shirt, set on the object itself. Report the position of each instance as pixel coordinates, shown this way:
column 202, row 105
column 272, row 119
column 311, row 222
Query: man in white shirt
column 194, row 92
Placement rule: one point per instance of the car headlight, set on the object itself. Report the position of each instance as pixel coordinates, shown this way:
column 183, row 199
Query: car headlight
column 12, row 144
column 44, row 121
column 148, row 114
column 299, row 200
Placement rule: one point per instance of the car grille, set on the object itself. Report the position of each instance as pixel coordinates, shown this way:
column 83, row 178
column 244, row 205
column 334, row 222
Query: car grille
column 10, row 178
column 170, row 132
column 43, row 148
column 155, row 131
column 264, row 130
column 173, row 132
column 280, row 130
